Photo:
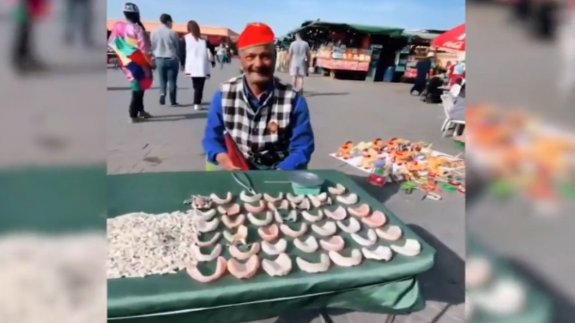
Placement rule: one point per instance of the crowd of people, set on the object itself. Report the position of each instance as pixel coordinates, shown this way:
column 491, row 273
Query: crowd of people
column 433, row 79
column 255, row 120
column 442, row 84
column 165, row 52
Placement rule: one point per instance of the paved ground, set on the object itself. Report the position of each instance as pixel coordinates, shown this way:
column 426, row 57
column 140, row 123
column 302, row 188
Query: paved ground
column 56, row 117
column 340, row 111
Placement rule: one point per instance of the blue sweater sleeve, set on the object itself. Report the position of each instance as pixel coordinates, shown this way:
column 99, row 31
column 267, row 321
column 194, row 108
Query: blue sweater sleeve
column 214, row 142
column 302, row 141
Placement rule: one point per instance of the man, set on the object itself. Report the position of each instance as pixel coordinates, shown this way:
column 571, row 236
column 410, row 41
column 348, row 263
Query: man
column 423, row 70
column 165, row 47
column 267, row 119
column 299, row 57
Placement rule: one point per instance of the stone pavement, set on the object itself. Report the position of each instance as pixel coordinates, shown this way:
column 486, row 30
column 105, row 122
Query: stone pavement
column 340, row 110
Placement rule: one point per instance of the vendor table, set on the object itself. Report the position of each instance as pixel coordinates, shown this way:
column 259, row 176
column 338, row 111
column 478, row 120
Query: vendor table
column 382, row 287
column 537, row 307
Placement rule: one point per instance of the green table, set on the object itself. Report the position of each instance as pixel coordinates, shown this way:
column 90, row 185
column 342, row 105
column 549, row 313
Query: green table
column 538, row 306
column 374, row 286
column 53, row 200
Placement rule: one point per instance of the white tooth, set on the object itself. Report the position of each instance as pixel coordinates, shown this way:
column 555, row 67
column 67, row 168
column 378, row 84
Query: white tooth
column 205, row 216
column 234, row 222
column 312, row 218
column 272, row 199
column 304, row 205
column 284, row 205
column 257, row 209
column 391, row 233
column 411, row 248
column 338, row 214
column 335, row 243
column 292, row 233
column 274, row 249
column 207, row 226
column 295, row 198
column 221, row 201
column 229, row 211
column 353, row 226
column 328, row 229
column 353, row 260
column 281, row 266
column 348, row 200
column 199, row 256
column 365, row 242
column 320, row 197
column 337, row 190
column 261, row 222
column 278, row 217
column 210, row 242
column 244, row 196
column 240, row 235
column 308, row 246
column 315, row 202
column 379, row 253
column 309, row 267
column 244, row 255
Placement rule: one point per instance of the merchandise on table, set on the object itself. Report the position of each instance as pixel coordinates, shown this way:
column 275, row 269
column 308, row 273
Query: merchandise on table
column 239, row 235
column 519, row 153
column 52, row 276
column 402, row 160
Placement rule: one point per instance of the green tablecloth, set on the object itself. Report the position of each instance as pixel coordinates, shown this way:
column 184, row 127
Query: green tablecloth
column 374, row 286
column 538, row 306
column 53, row 200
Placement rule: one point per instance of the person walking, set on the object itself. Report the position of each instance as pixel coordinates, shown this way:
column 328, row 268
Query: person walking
column 299, row 57
column 221, row 52
column 198, row 60
column 423, row 72
column 165, row 47
column 128, row 40
column 24, row 56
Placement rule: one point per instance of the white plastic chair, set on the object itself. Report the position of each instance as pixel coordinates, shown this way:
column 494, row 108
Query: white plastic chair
column 448, row 103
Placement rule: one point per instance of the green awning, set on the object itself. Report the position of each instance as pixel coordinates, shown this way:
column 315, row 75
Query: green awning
column 420, row 34
column 365, row 29
column 375, row 30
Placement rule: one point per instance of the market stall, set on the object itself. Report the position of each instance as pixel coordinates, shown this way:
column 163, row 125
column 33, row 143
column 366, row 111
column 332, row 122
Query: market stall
column 357, row 51
column 334, row 59
column 386, row 285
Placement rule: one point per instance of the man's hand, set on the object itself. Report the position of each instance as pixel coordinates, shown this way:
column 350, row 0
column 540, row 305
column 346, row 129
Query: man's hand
column 226, row 163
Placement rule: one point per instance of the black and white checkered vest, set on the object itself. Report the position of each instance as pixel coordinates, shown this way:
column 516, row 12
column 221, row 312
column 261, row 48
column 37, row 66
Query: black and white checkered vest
column 268, row 129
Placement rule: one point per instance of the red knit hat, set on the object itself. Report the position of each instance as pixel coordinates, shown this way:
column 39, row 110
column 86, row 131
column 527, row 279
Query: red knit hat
column 256, row 34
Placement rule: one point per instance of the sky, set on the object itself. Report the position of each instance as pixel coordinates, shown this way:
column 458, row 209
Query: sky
column 286, row 15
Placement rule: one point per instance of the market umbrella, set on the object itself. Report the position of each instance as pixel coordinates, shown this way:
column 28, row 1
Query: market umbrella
column 453, row 40
column 234, row 153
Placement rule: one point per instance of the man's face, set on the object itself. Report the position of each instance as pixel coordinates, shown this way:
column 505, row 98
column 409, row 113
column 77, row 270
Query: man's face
column 170, row 24
column 258, row 63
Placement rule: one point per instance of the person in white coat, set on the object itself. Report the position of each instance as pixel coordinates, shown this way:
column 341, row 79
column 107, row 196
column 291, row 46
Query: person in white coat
column 198, row 61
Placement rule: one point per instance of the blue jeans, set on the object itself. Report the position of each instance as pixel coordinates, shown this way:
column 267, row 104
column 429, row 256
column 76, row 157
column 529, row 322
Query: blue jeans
column 168, row 69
